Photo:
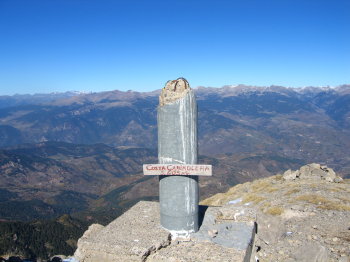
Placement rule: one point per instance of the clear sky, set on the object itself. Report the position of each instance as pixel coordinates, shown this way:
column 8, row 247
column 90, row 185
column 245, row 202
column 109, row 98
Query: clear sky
column 84, row 45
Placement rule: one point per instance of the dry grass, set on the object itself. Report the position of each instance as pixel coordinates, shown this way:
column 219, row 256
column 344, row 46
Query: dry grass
column 252, row 198
column 271, row 190
column 219, row 199
column 257, row 192
column 71, row 242
column 249, row 192
column 335, row 206
column 264, row 206
column 336, row 189
column 343, row 188
column 260, row 185
column 343, row 199
column 275, row 211
column 292, row 191
column 312, row 198
column 323, row 203
column 278, row 177
column 215, row 200
column 314, row 185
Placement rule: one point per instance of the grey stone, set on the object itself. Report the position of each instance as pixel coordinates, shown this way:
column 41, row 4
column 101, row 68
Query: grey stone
column 177, row 144
column 197, row 252
column 131, row 237
column 312, row 171
column 338, row 179
column 319, row 173
column 232, row 233
column 213, row 233
column 290, row 175
column 344, row 259
column 137, row 236
column 312, row 252
column 220, row 238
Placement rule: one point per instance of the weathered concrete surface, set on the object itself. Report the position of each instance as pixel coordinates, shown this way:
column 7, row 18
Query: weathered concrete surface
column 177, row 144
column 197, row 252
column 226, row 234
column 228, row 226
column 131, row 237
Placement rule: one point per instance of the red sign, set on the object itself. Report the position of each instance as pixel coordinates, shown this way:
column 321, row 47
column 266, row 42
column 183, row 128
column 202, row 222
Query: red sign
column 176, row 170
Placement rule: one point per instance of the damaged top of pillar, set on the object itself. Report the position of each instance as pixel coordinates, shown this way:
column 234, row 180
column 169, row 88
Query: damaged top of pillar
column 174, row 90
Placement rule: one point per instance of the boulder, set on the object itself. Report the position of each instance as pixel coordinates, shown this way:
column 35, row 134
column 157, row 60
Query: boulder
column 291, row 175
column 313, row 171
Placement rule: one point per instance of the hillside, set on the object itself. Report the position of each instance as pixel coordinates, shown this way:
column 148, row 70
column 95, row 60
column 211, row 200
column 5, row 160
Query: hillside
column 303, row 218
column 310, row 123
column 97, row 182
column 48, row 179
column 40, row 239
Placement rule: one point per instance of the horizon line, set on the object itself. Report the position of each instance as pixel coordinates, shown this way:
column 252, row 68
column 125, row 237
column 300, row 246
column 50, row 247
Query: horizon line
column 84, row 92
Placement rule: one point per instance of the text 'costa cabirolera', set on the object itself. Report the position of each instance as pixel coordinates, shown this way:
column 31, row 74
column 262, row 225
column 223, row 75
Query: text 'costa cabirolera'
column 176, row 170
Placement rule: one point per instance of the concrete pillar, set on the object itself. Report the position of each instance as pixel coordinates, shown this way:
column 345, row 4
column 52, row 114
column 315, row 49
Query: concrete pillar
column 177, row 144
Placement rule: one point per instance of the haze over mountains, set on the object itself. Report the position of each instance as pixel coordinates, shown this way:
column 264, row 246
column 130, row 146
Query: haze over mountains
column 311, row 123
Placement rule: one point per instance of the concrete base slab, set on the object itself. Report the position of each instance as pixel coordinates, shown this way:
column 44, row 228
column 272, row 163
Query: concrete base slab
column 131, row 237
column 226, row 234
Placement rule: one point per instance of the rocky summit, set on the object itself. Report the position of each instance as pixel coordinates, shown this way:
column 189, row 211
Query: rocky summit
column 312, row 171
column 302, row 215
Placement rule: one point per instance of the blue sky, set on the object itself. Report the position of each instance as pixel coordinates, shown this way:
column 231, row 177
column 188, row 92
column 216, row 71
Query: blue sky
column 59, row 45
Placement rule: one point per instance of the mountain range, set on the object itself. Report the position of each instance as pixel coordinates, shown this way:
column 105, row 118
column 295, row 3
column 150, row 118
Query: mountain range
column 92, row 143
column 82, row 153
column 310, row 123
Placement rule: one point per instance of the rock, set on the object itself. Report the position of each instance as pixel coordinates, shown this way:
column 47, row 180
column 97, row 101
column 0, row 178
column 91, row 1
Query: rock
column 329, row 179
column 270, row 229
column 315, row 211
column 312, row 171
column 92, row 230
column 290, row 175
column 289, row 213
column 213, row 233
column 344, row 259
column 319, row 173
column 312, row 252
column 315, row 166
column 337, row 179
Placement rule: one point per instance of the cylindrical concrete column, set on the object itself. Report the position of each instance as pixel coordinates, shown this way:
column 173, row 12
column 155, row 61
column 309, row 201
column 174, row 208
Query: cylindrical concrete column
column 177, row 144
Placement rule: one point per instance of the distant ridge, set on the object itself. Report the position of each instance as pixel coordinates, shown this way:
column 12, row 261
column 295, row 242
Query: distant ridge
column 39, row 98
column 311, row 123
